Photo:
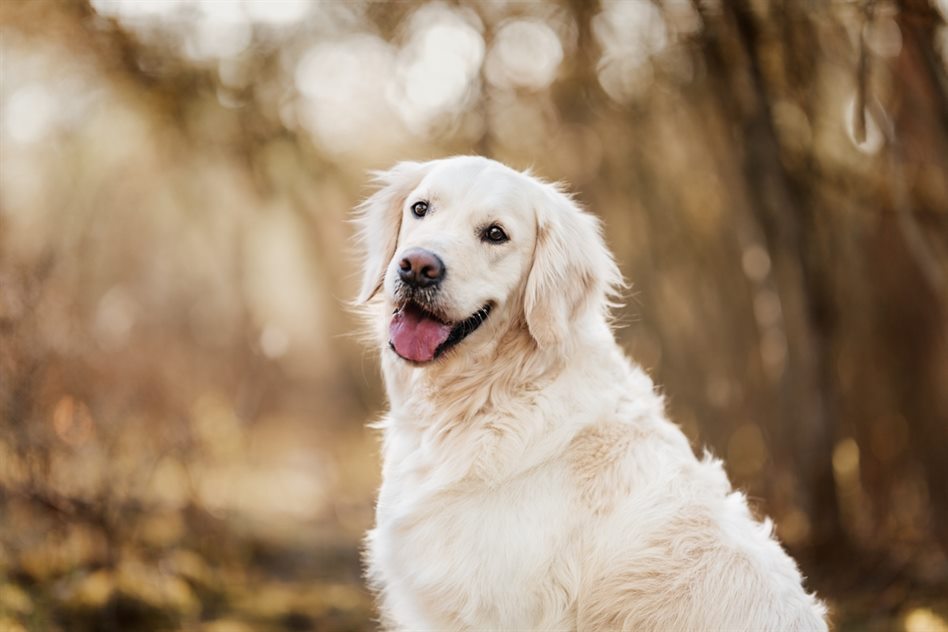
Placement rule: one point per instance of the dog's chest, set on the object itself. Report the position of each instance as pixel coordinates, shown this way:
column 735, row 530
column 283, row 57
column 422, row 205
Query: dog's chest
column 472, row 556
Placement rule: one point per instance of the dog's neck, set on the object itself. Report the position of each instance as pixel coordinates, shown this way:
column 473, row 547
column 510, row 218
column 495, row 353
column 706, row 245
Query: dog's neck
column 503, row 363
column 470, row 413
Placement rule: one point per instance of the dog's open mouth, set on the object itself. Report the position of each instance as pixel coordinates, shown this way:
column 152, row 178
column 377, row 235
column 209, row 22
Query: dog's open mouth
column 418, row 335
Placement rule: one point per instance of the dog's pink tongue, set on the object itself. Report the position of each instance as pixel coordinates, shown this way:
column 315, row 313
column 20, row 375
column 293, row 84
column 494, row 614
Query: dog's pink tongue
column 415, row 336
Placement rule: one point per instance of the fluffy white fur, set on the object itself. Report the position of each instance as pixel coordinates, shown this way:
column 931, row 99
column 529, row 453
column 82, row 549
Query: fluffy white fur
column 531, row 478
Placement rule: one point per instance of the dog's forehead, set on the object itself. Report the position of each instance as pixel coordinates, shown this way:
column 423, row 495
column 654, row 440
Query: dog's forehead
column 474, row 182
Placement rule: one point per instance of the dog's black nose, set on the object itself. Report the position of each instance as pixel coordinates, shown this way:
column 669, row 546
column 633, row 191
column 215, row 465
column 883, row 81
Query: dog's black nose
column 420, row 268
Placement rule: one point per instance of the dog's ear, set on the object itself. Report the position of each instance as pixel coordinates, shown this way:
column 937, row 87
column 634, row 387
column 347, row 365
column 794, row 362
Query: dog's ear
column 572, row 272
column 379, row 220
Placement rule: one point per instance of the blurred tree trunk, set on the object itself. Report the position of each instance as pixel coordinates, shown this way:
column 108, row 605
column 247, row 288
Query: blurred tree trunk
column 912, row 291
column 753, row 63
column 804, row 434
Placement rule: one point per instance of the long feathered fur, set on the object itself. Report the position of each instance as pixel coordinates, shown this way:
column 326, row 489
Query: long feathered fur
column 531, row 478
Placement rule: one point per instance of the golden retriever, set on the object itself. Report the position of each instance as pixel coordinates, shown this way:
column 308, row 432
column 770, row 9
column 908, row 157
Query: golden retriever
column 531, row 478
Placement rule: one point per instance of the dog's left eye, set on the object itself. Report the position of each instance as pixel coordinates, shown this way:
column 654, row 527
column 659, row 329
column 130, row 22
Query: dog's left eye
column 419, row 209
column 494, row 234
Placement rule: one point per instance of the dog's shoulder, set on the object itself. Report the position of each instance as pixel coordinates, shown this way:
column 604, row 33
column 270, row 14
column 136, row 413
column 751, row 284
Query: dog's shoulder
column 611, row 459
column 597, row 458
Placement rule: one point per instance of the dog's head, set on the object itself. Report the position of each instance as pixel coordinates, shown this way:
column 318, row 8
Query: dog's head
column 453, row 245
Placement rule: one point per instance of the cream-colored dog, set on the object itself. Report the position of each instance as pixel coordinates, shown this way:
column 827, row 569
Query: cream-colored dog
column 531, row 478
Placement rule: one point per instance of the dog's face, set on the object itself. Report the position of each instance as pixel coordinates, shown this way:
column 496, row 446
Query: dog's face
column 466, row 238
column 454, row 244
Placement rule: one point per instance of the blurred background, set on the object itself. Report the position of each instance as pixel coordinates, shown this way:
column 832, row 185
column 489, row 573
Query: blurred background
column 183, row 400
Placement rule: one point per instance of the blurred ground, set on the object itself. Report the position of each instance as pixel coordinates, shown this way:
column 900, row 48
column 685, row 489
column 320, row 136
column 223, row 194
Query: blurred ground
column 183, row 395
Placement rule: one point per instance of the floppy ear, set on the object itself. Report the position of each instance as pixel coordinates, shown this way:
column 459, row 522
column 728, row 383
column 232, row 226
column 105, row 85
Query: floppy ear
column 573, row 270
column 379, row 219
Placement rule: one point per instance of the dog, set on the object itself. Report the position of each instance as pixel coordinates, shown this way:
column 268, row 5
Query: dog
column 531, row 479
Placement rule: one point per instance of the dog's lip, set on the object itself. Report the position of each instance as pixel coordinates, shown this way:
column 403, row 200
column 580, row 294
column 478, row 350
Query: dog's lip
column 459, row 329
column 465, row 328
column 428, row 313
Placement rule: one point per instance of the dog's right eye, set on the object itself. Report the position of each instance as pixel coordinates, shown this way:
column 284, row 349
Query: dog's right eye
column 419, row 209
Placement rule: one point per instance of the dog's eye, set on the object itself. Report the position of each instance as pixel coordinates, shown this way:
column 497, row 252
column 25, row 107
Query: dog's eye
column 419, row 209
column 494, row 234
